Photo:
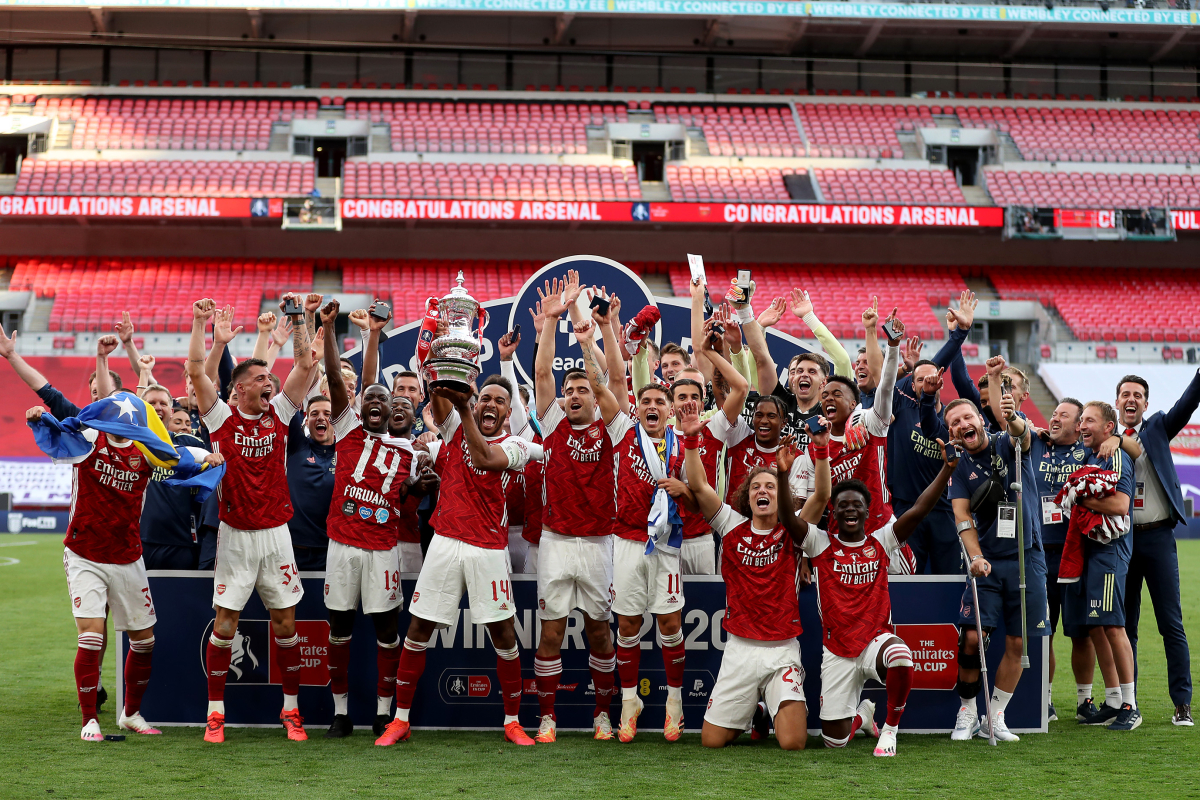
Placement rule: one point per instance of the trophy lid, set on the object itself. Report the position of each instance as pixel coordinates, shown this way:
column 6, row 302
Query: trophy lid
column 459, row 290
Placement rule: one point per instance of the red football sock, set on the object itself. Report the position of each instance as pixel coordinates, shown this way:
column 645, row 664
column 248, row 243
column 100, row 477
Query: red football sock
column 899, row 683
column 602, row 669
column 289, row 663
column 412, row 664
column 339, row 664
column 629, row 660
column 87, row 672
column 546, row 672
column 387, row 661
column 508, row 669
column 673, row 661
column 898, row 661
column 137, row 674
column 216, row 658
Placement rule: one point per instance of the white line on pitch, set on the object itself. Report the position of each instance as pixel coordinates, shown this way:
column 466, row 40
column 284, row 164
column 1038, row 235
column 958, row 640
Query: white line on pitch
column 15, row 544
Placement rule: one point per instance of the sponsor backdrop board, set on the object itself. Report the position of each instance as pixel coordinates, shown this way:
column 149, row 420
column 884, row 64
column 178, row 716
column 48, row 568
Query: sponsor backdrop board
column 459, row 688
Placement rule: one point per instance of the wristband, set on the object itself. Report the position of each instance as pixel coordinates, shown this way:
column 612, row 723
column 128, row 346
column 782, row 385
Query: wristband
column 691, row 442
column 745, row 314
column 819, row 453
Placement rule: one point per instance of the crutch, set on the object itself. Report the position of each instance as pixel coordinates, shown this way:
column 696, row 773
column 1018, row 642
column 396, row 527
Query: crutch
column 987, row 693
column 1016, row 486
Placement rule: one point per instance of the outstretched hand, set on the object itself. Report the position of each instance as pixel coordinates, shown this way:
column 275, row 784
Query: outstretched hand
column 964, row 315
column 124, row 328
column 785, row 456
column 689, row 418
column 770, row 316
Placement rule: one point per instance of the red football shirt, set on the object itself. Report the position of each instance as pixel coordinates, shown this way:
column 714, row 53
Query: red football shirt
column 759, row 568
column 535, row 500
column 371, row 469
column 635, row 484
column 852, row 587
column 867, row 464
column 108, row 488
column 472, row 503
column 253, row 495
column 580, row 487
column 694, row 523
column 743, row 453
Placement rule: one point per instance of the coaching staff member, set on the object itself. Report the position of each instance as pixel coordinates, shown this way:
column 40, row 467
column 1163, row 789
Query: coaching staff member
column 1157, row 508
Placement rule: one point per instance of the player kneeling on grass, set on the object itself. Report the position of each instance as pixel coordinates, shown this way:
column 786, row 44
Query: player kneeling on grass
column 856, row 610
column 468, row 549
column 375, row 473
column 762, row 616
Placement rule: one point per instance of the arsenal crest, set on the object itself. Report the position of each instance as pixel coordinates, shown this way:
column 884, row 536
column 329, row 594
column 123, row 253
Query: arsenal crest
column 135, row 462
column 267, row 422
column 595, row 433
column 869, row 551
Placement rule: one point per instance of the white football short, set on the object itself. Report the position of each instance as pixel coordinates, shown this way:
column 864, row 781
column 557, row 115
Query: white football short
column 453, row 567
column 518, row 549
column 699, row 556
column 643, row 582
column 352, row 573
column 751, row 668
column 123, row 588
column 574, row 572
column 249, row 560
column 842, row 679
column 411, row 558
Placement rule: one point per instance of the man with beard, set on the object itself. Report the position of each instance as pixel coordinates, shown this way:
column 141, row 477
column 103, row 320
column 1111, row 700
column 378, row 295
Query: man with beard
column 404, row 423
column 467, row 553
column 254, row 548
column 372, row 480
column 575, row 551
column 978, row 487
column 1056, row 453
column 913, row 458
column 646, row 562
column 868, row 464
column 1157, row 509
column 760, row 533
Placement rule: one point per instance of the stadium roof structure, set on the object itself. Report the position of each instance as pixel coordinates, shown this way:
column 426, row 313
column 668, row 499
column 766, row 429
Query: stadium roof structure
column 934, row 12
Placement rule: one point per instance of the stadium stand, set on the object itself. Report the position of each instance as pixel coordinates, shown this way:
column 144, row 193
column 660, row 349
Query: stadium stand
column 1092, row 189
column 472, row 127
column 172, row 124
column 861, row 130
column 182, row 178
column 1112, row 135
column 410, row 281
column 1111, row 305
column 500, row 181
column 842, row 291
column 739, row 130
column 902, row 186
column 743, row 184
column 158, row 293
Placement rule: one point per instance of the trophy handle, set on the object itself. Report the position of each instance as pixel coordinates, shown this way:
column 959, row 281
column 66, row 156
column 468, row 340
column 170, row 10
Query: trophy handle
column 484, row 318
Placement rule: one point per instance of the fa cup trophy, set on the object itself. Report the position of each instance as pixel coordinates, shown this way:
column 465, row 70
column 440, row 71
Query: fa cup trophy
column 453, row 359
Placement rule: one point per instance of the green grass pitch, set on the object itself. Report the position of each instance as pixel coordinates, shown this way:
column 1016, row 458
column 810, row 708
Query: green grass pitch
column 41, row 754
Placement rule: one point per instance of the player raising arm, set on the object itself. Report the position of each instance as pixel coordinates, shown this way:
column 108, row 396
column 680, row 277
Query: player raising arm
column 851, row 565
column 762, row 615
column 370, row 485
column 575, row 558
column 467, row 552
column 254, row 546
